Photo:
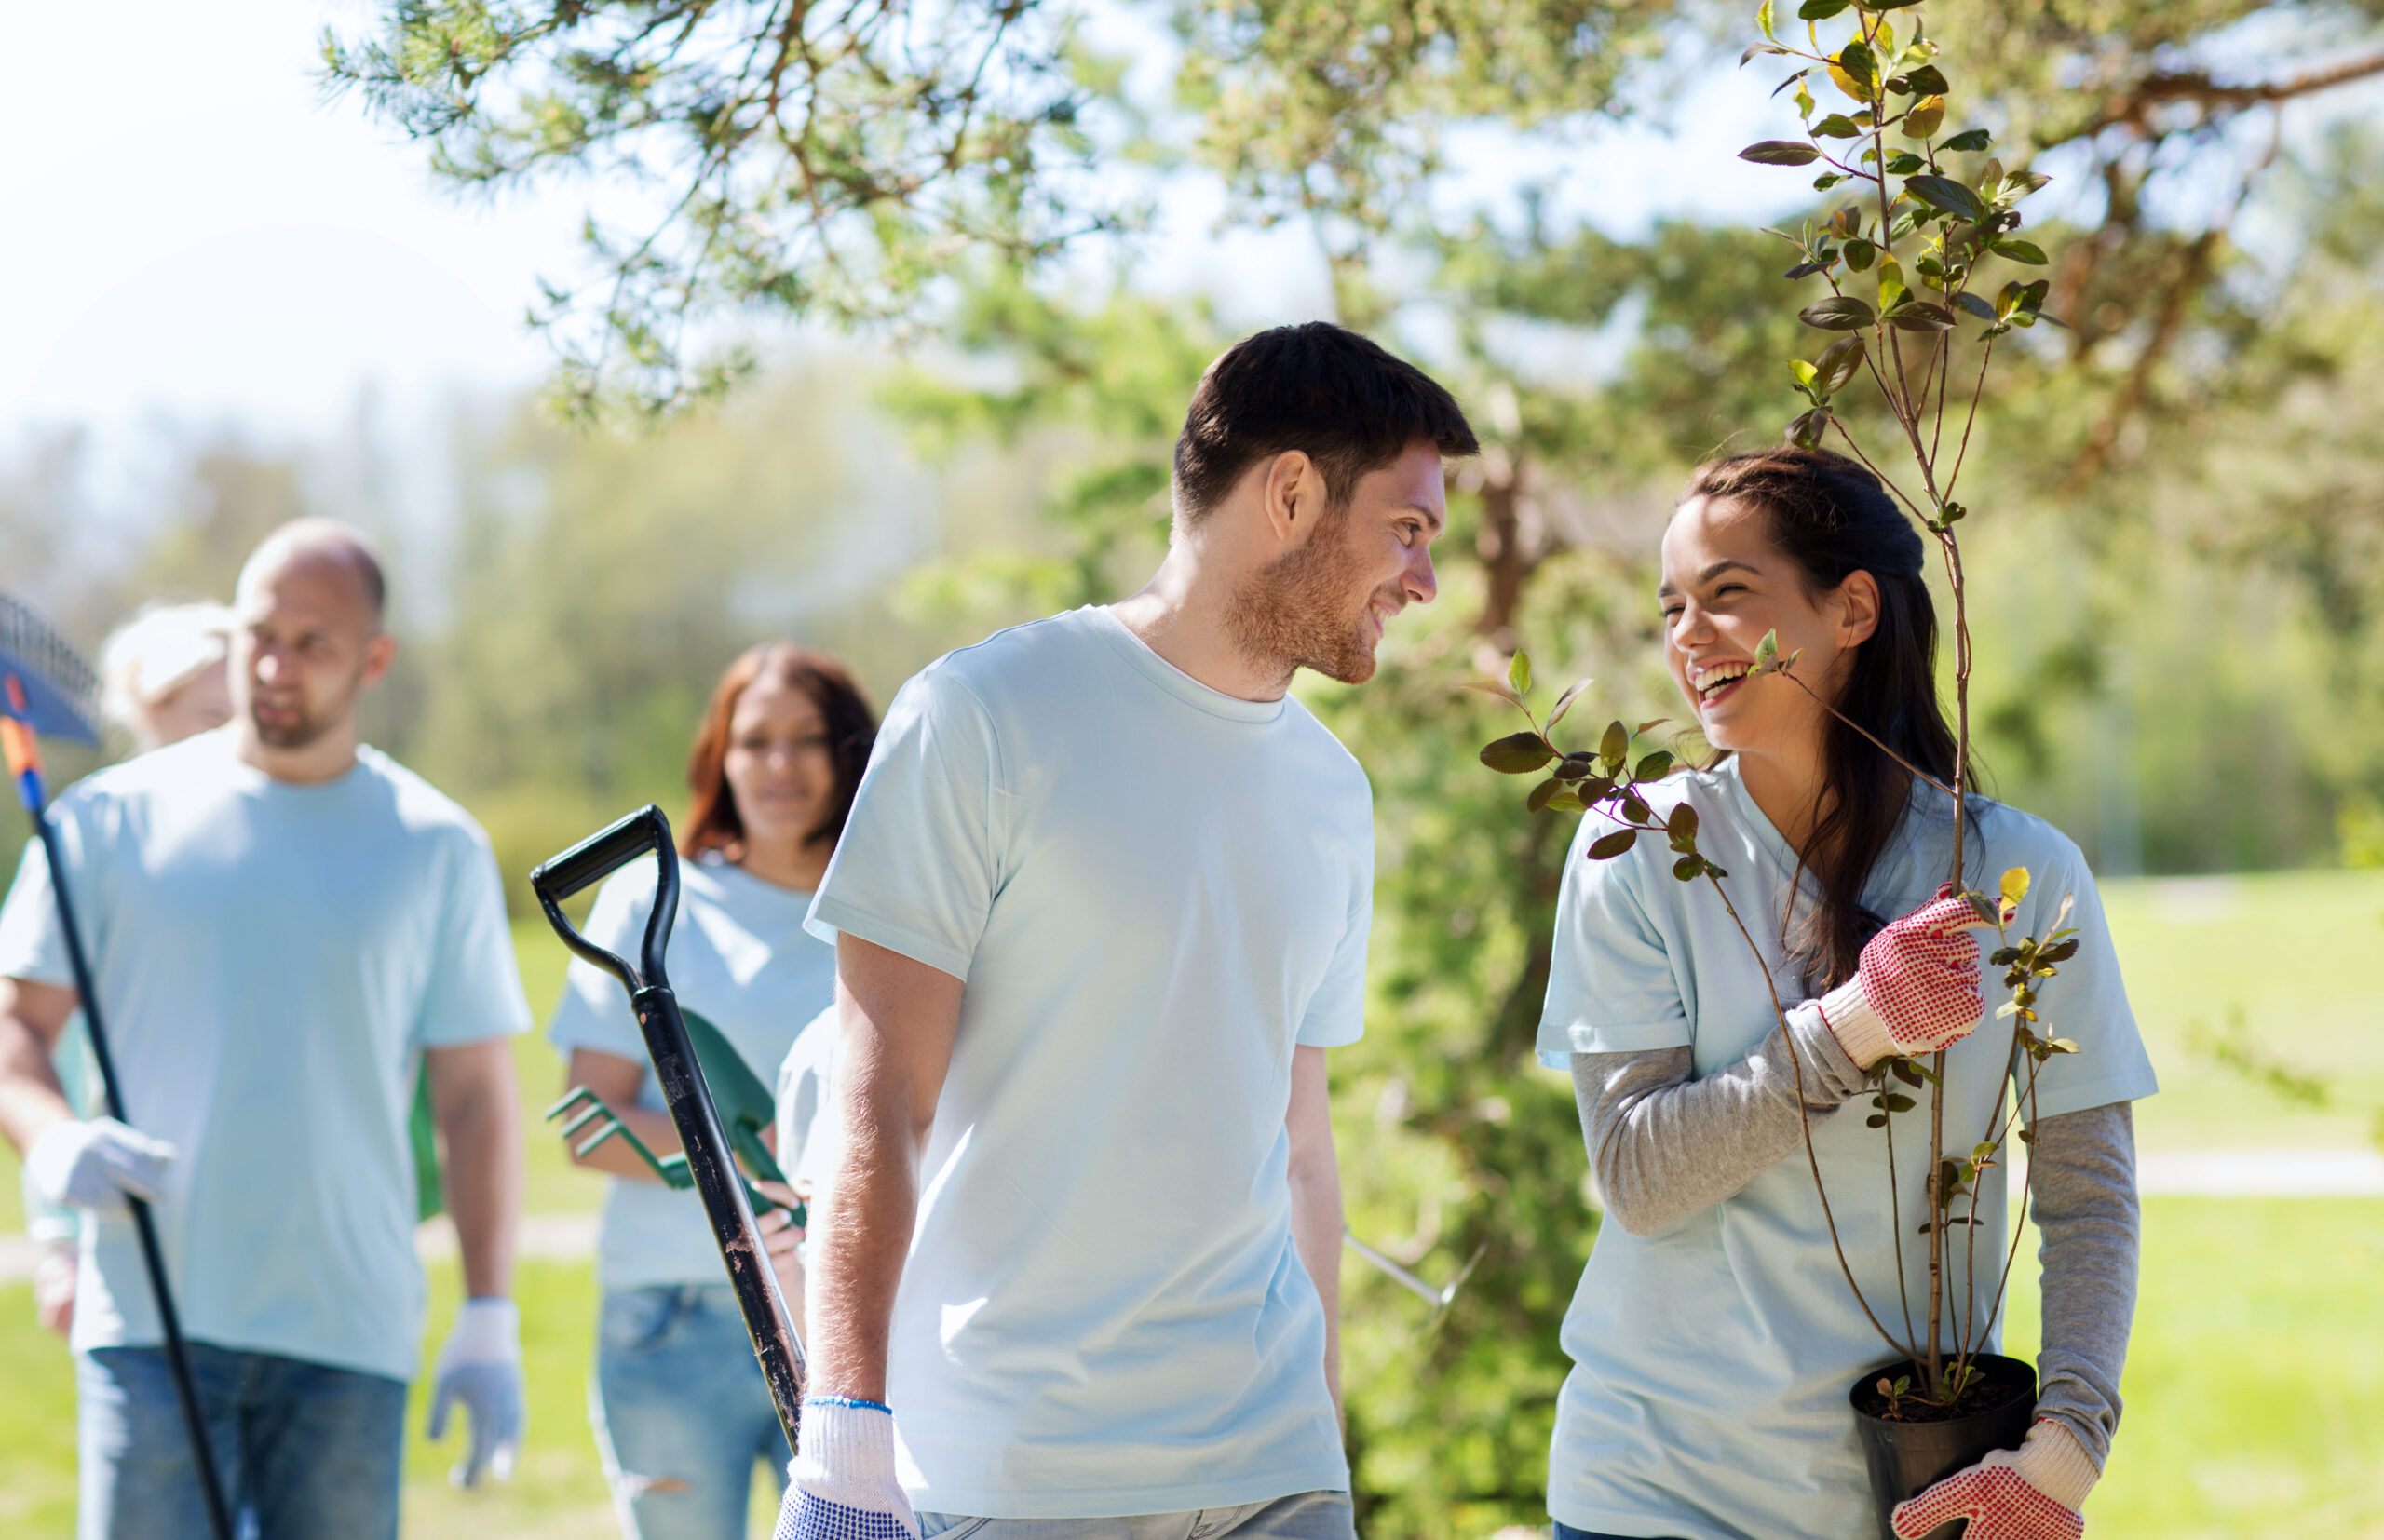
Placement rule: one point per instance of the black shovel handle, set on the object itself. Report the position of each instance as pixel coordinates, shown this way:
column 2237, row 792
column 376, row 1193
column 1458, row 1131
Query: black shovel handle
column 646, row 832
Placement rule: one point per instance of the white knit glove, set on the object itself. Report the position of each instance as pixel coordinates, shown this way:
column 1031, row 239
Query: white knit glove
column 92, row 1163
column 480, row 1366
column 842, row 1483
column 2033, row 1493
column 1918, row 989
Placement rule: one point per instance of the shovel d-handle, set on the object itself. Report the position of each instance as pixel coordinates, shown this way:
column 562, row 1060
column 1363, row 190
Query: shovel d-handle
column 701, row 1136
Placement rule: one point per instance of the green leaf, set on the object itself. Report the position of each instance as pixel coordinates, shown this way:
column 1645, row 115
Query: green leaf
column 1898, row 1102
column 1804, row 374
column 1839, row 313
column 1635, row 808
column 1615, row 743
column 1858, row 253
column 1948, row 194
column 1903, row 163
column 1835, row 126
column 1926, row 81
column 2060, row 952
column 2020, row 251
column 1609, row 847
column 2062, row 1045
column 1655, row 766
column 1754, row 48
column 1518, row 754
column 1519, row 673
column 1971, row 139
column 1491, row 687
column 1649, row 725
column 1905, row 1070
column 1766, row 649
column 1805, row 430
column 1838, row 363
column 1681, row 827
column 1975, row 305
column 1856, row 72
column 1689, row 869
column 1820, row 10
column 1565, row 702
column 1763, row 19
column 1780, row 152
column 1927, row 116
column 1537, row 800
column 1891, row 285
column 2014, row 885
column 1877, row 1120
column 2021, row 183
column 1921, row 316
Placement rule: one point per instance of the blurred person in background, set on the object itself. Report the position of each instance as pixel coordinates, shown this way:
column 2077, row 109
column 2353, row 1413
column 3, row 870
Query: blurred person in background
column 679, row 1406
column 163, row 677
column 288, row 928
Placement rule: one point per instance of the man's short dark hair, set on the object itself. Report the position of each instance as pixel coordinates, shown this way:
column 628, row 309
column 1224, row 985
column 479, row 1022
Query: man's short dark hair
column 1319, row 388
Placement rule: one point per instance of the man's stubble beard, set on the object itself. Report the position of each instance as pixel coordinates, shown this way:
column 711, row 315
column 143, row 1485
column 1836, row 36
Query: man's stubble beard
column 1295, row 614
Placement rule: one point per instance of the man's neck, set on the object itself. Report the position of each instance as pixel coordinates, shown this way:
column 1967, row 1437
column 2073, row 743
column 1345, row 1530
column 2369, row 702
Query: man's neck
column 1183, row 614
column 327, row 758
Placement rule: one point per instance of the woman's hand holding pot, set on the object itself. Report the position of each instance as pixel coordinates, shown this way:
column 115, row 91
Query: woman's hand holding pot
column 2033, row 1493
column 1917, row 990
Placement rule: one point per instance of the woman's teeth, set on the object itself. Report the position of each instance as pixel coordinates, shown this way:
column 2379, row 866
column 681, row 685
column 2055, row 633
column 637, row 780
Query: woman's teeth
column 1709, row 682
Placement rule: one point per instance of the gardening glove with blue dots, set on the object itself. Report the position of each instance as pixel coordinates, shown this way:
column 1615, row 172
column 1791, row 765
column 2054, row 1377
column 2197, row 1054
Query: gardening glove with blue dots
column 2033, row 1493
column 842, row 1484
column 480, row 1366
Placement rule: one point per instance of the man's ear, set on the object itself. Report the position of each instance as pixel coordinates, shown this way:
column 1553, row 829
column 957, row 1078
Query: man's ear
column 1291, row 496
column 379, row 653
column 1858, row 608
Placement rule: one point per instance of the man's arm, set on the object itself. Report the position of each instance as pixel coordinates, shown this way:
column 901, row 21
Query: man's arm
column 896, row 1020
column 1316, row 1198
column 32, row 1014
column 479, row 1122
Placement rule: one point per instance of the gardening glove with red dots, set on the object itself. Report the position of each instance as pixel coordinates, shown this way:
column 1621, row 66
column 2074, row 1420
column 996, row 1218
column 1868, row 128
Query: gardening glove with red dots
column 1918, row 989
column 2033, row 1493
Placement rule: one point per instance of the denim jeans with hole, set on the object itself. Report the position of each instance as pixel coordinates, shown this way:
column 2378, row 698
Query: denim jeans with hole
column 681, row 1412
column 305, row 1449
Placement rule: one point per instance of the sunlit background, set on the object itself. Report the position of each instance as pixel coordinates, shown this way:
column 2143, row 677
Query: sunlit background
column 232, row 297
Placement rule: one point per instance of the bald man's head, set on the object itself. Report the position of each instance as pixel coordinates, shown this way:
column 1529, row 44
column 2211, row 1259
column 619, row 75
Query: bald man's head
column 307, row 637
column 330, row 544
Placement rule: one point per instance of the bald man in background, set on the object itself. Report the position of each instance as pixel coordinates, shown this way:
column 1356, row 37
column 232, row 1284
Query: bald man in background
column 286, row 928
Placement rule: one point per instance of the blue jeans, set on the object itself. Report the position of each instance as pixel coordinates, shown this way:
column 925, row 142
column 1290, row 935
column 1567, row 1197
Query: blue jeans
column 681, row 1412
column 303, row 1449
column 1566, row 1532
column 1302, row 1515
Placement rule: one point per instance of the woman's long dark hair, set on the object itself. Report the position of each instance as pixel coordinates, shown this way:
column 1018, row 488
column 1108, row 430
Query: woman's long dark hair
column 1832, row 517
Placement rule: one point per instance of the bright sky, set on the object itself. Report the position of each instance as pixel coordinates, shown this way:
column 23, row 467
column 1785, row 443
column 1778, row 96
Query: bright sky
column 196, row 232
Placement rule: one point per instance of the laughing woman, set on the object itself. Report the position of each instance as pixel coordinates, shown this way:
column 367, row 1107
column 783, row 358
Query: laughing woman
column 1713, row 1336
column 680, row 1407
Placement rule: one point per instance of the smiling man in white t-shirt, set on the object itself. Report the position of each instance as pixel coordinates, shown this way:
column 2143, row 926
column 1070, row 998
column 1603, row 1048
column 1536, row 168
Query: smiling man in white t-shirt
column 1102, row 905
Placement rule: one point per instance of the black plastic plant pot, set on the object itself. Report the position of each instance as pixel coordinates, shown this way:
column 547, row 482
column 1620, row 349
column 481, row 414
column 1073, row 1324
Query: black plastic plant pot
column 1907, row 1454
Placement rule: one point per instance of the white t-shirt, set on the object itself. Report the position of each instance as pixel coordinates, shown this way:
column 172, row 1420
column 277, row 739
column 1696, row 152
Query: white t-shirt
column 271, row 961
column 1712, row 1358
column 1152, row 892
column 740, row 958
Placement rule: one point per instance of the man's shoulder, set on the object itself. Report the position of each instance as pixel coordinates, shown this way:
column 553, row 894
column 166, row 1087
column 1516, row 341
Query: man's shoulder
column 420, row 806
column 1019, row 660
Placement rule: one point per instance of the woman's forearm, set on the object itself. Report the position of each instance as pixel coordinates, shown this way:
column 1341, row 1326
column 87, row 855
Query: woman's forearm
column 2083, row 1199
column 1664, row 1145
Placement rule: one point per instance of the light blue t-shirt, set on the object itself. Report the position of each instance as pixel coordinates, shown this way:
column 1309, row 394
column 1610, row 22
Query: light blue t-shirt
column 272, row 960
column 740, row 957
column 1712, row 1358
column 1152, row 891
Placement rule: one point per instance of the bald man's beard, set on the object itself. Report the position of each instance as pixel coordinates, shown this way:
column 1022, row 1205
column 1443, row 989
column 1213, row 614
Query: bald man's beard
column 308, row 727
column 1306, row 609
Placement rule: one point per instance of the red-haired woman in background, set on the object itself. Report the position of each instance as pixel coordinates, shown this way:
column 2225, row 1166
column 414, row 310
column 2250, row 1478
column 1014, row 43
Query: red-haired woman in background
column 679, row 1406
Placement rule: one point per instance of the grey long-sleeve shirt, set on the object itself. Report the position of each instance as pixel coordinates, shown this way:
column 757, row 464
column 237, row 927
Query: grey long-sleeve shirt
column 1664, row 1144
